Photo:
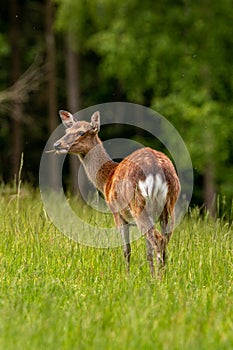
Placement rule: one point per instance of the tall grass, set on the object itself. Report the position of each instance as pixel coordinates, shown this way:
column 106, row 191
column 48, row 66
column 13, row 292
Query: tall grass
column 57, row 294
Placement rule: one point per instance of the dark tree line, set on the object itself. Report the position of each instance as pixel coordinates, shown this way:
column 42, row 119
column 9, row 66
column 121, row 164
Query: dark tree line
column 173, row 57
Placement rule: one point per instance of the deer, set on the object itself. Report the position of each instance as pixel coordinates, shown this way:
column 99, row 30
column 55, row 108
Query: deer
column 143, row 187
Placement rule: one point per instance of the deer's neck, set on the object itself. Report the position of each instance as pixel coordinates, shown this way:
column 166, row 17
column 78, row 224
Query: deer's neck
column 98, row 165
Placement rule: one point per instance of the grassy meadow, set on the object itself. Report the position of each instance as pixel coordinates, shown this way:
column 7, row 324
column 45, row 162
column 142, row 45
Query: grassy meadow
column 57, row 294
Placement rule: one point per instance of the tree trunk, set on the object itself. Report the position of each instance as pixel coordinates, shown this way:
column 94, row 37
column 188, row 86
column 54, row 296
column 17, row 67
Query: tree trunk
column 17, row 108
column 73, row 102
column 209, row 188
column 52, row 85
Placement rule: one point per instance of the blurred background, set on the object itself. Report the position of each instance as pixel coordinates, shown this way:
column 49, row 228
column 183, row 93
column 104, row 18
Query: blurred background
column 172, row 56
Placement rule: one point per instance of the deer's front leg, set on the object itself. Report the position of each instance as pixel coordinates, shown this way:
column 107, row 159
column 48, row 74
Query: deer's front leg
column 124, row 230
column 126, row 244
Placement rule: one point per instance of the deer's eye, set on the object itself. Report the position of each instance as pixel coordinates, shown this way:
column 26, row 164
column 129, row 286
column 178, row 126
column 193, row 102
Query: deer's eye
column 81, row 133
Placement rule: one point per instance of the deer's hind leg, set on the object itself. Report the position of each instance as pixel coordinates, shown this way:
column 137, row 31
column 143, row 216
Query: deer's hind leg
column 150, row 256
column 167, row 222
column 158, row 242
column 155, row 242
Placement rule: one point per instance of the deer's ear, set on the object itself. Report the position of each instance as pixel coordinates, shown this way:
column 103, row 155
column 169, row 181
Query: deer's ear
column 66, row 118
column 95, row 121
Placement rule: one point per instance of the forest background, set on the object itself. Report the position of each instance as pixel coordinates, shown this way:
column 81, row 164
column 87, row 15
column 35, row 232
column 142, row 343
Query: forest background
column 172, row 56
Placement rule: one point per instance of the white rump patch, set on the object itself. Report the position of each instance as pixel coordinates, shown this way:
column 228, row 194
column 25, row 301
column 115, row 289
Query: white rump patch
column 146, row 187
column 154, row 187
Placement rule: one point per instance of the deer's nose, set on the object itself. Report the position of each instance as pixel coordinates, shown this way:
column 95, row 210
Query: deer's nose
column 57, row 145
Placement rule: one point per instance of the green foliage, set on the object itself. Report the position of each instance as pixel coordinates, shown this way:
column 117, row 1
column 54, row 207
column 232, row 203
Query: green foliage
column 4, row 45
column 175, row 57
column 56, row 294
column 74, row 17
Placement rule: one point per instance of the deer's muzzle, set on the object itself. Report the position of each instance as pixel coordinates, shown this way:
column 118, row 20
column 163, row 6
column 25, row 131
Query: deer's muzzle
column 59, row 148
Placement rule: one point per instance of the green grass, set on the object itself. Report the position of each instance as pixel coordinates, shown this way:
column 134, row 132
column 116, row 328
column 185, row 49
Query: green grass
column 56, row 294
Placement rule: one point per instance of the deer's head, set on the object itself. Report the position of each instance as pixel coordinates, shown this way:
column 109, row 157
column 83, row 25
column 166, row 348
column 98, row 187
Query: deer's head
column 80, row 136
